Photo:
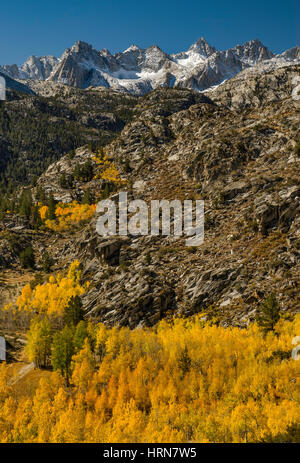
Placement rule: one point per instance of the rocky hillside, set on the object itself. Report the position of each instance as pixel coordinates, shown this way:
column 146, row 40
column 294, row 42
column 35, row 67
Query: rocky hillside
column 36, row 130
column 237, row 147
column 139, row 71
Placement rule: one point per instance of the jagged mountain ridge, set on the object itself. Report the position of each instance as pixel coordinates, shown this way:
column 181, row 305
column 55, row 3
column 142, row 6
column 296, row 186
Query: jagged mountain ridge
column 139, row 71
column 37, row 68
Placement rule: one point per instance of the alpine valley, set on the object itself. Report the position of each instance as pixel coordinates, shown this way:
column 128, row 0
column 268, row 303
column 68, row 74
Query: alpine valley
column 142, row 338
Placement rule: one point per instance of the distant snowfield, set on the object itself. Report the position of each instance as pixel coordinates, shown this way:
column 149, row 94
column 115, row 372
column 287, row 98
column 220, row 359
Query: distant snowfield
column 191, row 60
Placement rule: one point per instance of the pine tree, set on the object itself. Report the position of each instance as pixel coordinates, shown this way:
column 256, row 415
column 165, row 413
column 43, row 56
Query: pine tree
column 25, row 205
column 52, row 206
column 47, row 262
column 105, row 193
column 35, row 220
column 41, row 195
column 27, row 259
column 81, row 334
column 87, row 198
column 63, row 181
column 63, row 351
column 184, row 361
column 269, row 314
column 73, row 313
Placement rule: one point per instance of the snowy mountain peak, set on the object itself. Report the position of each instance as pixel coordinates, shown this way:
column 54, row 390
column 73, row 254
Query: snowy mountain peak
column 293, row 54
column 36, row 68
column 81, row 49
column 105, row 52
column 202, row 48
column 80, row 45
column 252, row 52
column 138, row 70
column 132, row 48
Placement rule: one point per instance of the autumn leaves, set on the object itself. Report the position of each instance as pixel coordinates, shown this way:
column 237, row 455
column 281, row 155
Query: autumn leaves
column 181, row 381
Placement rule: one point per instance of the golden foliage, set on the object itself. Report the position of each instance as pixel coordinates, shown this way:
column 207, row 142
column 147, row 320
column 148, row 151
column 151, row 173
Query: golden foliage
column 52, row 297
column 107, row 169
column 68, row 215
column 43, row 212
column 182, row 381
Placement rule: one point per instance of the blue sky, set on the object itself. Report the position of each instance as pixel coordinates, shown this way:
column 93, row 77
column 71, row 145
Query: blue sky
column 36, row 27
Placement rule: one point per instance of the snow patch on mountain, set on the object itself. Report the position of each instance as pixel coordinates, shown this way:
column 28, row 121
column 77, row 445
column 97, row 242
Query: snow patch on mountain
column 137, row 70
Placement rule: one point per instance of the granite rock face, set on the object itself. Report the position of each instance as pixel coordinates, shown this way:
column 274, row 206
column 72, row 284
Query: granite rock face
column 36, row 68
column 236, row 147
